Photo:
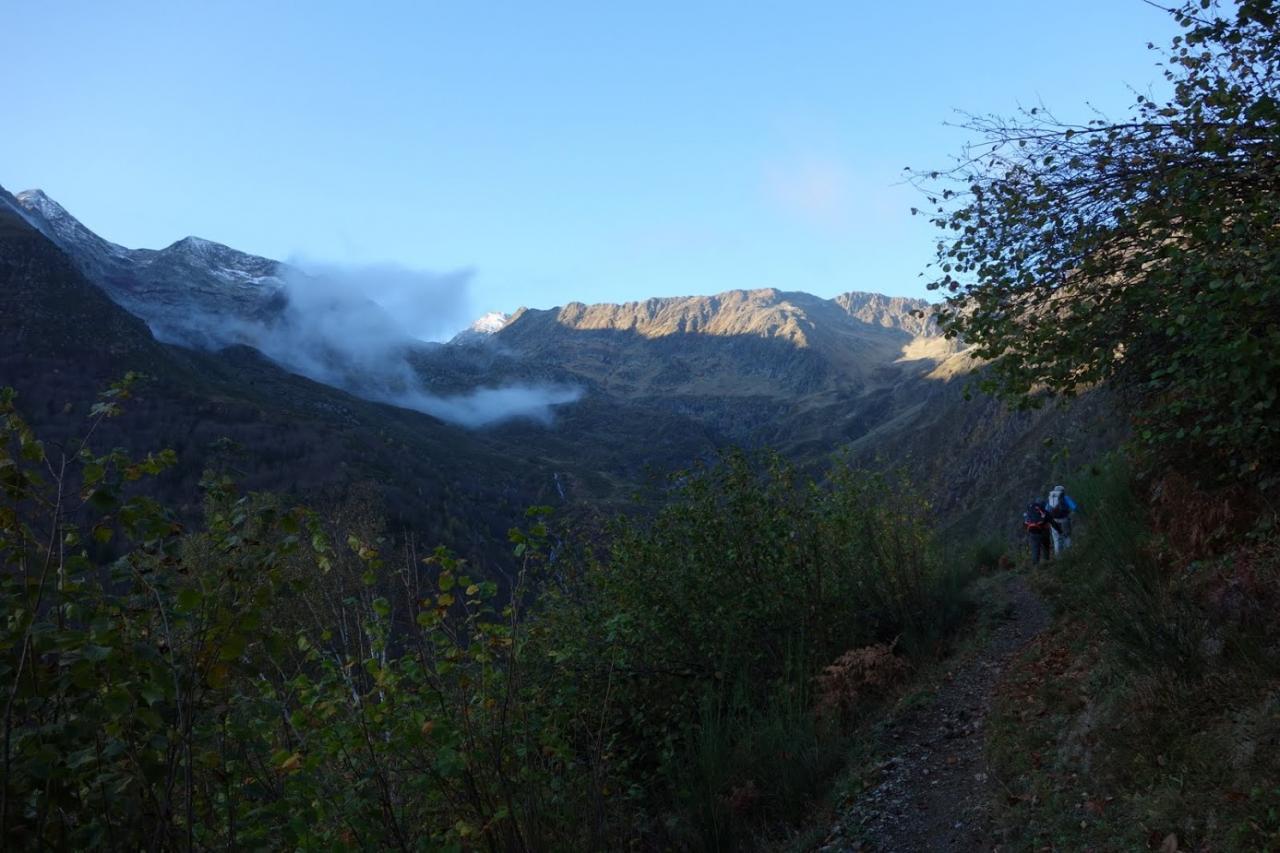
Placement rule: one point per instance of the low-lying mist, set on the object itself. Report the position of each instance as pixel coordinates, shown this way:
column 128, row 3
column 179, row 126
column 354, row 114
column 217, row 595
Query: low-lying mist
column 355, row 327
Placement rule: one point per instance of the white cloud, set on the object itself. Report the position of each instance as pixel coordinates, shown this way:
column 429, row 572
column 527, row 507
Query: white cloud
column 355, row 327
column 383, row 299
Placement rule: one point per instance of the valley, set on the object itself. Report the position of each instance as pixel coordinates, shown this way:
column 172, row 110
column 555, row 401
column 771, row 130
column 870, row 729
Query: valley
column 645, row 388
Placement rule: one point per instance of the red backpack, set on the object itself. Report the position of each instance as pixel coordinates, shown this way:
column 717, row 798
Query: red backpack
column 1035, row 518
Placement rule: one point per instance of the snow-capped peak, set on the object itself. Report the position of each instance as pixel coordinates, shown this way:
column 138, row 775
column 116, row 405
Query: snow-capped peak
column 182, row 291
column 53, row 220
column 37, row 202
column 490, row 323
column 196, row 245
column 482, row 330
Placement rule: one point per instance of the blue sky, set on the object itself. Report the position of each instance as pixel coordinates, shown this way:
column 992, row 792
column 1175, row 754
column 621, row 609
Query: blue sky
column 561, row 151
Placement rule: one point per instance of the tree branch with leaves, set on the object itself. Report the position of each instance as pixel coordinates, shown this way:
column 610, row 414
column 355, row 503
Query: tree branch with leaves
column 1144, row 253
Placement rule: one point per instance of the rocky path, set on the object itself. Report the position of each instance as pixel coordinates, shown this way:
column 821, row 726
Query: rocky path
column 933, row 789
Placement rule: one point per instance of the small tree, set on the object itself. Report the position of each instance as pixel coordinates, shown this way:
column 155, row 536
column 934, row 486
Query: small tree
column 1143, row 252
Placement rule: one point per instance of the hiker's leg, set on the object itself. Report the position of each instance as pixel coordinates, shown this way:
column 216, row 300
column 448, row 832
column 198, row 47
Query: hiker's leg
column 1057, row 541
column 1066, row 532
column 1036, row 543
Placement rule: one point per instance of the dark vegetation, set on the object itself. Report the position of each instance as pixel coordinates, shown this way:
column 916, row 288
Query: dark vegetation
column 275, row 678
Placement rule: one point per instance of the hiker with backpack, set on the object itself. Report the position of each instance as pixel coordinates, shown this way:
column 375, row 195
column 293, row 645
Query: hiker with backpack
column 1037, row 522
column 1060, row 506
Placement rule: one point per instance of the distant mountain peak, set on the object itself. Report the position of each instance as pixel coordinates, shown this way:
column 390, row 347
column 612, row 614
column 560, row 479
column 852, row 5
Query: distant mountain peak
column 485, row 327
column 764, row 312
column 37, row 196
column 179, row 290
column 193, row 245
column 53, row 220
column 489, row 323
column 36, row 201
column 896, row 312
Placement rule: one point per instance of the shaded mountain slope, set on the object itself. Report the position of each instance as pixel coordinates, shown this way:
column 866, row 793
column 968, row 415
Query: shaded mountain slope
column 189, row 292
column 62, row 341
column 981, row 461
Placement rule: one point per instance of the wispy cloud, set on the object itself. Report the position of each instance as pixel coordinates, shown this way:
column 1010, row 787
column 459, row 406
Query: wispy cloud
column 818, row 190
column 383, row 299
column 360, row 328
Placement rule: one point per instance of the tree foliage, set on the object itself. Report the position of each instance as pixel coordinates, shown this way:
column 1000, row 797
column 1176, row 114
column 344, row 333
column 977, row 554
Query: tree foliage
column 1144, row 252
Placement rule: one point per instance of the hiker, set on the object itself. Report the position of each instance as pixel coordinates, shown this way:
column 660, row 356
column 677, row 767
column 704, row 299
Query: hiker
column 1037, row 523
column 1060, row 507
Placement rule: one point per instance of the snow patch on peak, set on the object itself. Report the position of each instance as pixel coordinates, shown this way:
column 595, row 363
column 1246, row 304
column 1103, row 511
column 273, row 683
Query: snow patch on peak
column 490, row 323
column 37, row 201
column 481, row 332
column 196, row 244
column 53, row 220
column 11, row 203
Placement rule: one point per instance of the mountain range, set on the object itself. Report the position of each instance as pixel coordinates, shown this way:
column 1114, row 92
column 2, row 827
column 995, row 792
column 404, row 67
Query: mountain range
column 572, row 405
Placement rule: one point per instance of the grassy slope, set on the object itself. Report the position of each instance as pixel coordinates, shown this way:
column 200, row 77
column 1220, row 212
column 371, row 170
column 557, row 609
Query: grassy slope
column 1150, row 714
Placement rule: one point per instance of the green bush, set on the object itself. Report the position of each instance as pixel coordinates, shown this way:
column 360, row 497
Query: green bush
column 1164, row 610
column 123, row 681
column 744, row 584
column 1158, row 688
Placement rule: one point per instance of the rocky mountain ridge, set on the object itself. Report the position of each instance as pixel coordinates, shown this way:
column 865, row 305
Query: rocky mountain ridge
column 192, row 292
column 767, row 313
column 202, row 294
column 759, row 366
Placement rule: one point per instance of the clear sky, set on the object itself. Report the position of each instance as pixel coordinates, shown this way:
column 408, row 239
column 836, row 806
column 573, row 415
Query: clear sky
column 597, row 151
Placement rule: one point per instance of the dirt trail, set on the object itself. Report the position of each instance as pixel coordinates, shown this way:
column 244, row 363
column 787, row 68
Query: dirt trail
column 934, row 787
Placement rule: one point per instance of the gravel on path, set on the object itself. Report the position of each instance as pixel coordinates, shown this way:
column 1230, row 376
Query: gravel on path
column 934, row 789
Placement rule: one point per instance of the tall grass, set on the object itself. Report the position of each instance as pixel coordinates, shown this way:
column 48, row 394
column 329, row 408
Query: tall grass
column 1158, row 691
column 752, row 761
column 1115, row 572
column 1166, row 607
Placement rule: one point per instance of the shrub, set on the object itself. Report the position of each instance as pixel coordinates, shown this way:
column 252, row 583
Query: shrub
column 731, row 598
column 1157, row 693
column 856, row 676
